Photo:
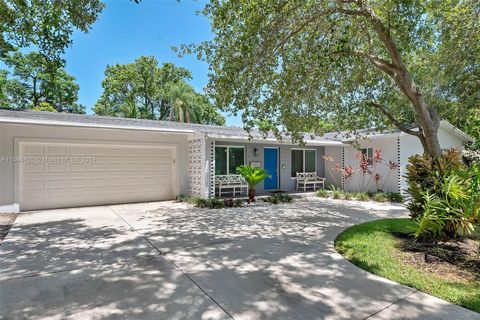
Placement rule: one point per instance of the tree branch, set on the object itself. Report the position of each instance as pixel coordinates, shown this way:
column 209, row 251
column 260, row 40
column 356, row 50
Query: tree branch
column 397, row 123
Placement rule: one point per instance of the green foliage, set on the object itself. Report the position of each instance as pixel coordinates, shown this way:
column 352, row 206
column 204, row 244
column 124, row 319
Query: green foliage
column 445, row 195
column 297, row 65
column 253, row 175
column 380, row 197
column 47, row 25
column 322, row 193
column 362, row 196
column 279, row 198
column 45, row 106
column 237, row 203
column 337, row 194
column 372, row 246
column 145, row 90
column 212, row 203
column 370, row 194
column 34, row 80
column 395, row 197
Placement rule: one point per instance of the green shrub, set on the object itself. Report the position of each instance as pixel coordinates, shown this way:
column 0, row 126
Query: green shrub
column 213, row 203
column 380, row 197
column 395, row 197
column 336, row 192
column 348, row 196
column 279, row 198
column 362, row 196
column 199, row 202
column 445, row 195
column 322, row 193
column 237, row 203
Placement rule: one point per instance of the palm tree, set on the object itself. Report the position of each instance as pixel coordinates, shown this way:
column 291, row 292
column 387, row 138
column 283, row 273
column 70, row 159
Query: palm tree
column 253, row 176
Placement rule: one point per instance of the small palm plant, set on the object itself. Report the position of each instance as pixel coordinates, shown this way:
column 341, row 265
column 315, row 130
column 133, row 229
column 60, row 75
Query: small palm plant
column 253, row 176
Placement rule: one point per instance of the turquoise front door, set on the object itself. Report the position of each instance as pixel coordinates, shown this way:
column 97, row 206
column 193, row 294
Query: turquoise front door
column 270, row 160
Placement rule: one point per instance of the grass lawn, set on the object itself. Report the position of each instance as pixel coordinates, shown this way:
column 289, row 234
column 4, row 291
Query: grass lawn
column 371, row 246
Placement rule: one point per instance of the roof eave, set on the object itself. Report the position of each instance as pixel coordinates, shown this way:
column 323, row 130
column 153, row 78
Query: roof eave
column 465, row 137
column 92, row 125
column 275, row 141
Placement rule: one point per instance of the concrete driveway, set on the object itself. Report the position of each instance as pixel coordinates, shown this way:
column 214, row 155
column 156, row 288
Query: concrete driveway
column 171, row 261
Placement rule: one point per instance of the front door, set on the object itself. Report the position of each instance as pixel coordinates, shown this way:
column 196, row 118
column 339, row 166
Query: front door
column 270, row 159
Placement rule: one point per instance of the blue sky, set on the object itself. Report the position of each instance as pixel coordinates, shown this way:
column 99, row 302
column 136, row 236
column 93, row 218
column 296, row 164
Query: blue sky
column 125, row 31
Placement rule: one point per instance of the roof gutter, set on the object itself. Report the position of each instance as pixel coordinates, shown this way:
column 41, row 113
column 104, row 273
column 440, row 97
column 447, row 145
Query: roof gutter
column 92, row 125
column 273, row 140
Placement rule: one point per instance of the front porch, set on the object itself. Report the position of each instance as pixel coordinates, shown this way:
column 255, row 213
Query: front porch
column 281, row 160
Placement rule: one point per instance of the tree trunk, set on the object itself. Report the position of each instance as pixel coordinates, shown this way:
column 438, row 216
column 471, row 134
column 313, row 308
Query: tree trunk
column 427, row 117
column 251, row 195
column 35, row 98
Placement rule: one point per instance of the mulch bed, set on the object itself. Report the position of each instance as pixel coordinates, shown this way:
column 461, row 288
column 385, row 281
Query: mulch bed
column 6, row 222
column 457, row 260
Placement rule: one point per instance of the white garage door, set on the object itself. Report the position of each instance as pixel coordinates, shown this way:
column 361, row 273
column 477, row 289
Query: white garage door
column 54, row 175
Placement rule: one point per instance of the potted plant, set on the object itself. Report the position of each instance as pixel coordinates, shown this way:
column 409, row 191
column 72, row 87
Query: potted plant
column 253, row 176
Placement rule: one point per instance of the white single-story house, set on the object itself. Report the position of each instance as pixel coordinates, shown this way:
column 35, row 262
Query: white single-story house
column 56, row 160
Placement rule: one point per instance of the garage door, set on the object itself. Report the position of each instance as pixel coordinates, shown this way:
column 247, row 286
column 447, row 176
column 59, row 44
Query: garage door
column 56, row 175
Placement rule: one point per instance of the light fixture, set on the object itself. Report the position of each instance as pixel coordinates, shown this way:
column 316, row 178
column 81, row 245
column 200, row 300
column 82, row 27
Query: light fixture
column 255, row 152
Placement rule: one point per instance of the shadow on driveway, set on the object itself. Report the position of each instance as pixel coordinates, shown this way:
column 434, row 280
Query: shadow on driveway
column 171, row 261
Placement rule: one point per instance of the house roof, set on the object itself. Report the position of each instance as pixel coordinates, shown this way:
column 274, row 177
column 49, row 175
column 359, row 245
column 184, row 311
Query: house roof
column 90, row 121
column 212, row 131
column 347, row 136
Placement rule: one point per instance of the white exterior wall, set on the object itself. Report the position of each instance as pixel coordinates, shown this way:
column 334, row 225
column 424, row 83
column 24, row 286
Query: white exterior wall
column 12, row 134
column 390, row 178
column 332, row 176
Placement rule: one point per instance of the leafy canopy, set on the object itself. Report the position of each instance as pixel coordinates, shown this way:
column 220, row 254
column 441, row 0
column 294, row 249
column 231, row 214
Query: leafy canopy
column 299, row 64
column 33, row 80
column 44, row 24
column 143, row 89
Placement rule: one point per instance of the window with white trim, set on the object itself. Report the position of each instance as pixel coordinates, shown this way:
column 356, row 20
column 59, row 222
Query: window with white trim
column 228, row 158
column 303, row 160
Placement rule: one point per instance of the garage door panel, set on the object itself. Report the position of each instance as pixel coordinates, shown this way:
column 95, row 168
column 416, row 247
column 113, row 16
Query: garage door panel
column 34, row 184
column 78, row 167
column 33, row 151
column 116, row 174
column 56, row 184
column 34, row 167
column 53, row 167
column 56, row 151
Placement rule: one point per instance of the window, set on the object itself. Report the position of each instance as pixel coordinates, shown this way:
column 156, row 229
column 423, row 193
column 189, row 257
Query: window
column 368, row 153
column 303, row 160
column 227, row 159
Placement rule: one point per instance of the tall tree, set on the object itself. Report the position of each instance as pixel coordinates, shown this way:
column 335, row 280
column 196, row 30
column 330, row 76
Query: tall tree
column 143, row 89
column 355, row 63
column 35, row 80
column 45, row 24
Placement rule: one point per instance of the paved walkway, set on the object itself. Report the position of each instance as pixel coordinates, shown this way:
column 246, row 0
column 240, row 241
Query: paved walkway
column 171, row 261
